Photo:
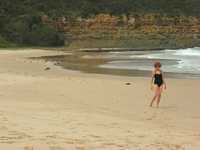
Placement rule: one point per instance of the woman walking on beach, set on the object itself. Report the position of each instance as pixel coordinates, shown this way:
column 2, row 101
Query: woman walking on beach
column 157, row 83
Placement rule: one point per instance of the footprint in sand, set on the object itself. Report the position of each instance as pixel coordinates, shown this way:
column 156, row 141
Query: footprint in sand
column 171, row 146
column 96, row 136
column 80, row 148
column 74, row 141
column 56, row 148
column 28, row 148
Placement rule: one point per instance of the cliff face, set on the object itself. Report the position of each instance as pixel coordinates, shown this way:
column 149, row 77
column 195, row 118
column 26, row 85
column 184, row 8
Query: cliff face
column 89, row 23
column 140, row 31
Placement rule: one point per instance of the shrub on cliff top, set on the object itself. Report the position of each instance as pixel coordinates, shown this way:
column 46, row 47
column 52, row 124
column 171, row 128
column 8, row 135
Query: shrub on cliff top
column 29, row 30
column 4, row 43
column 43, row 35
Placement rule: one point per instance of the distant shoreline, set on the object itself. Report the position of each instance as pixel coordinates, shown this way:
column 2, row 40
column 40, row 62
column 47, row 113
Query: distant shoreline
column 116, row 49
column 126, row 49
column 93, row 49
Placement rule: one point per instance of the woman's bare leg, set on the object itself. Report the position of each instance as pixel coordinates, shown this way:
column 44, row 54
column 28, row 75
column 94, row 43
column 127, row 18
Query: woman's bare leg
column 159, row 96
column 158, row 100
column 155, row 96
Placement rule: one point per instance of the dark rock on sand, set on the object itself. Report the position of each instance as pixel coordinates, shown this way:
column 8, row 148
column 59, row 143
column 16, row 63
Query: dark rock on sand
column 128, row 83
column 47, row 68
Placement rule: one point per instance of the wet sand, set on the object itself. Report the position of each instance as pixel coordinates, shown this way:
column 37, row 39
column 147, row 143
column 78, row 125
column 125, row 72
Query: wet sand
column 45, row 107
column 101, row 63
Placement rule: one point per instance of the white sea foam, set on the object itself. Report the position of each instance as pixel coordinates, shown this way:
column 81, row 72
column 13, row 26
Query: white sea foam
column 188, row 52
column 177, row 61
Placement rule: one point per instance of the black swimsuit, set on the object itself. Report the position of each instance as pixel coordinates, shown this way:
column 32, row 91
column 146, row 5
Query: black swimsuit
column 158, row 80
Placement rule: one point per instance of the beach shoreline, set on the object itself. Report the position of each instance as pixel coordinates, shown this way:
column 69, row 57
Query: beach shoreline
column 46, row 107
column 127, row 63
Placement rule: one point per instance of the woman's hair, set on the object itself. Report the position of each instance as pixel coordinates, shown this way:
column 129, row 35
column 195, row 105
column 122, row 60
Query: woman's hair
column 157, row 64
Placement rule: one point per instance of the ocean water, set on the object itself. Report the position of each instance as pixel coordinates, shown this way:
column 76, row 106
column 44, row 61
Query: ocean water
column 173, row 61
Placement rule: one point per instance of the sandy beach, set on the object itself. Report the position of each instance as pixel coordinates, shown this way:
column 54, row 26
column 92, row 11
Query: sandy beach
column 45, row 107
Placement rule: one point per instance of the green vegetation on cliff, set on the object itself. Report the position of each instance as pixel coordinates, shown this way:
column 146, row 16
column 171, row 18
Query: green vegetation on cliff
column 21, row 21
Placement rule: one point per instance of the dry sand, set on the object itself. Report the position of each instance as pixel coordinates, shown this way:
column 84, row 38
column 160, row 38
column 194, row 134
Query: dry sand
column 58, row 109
